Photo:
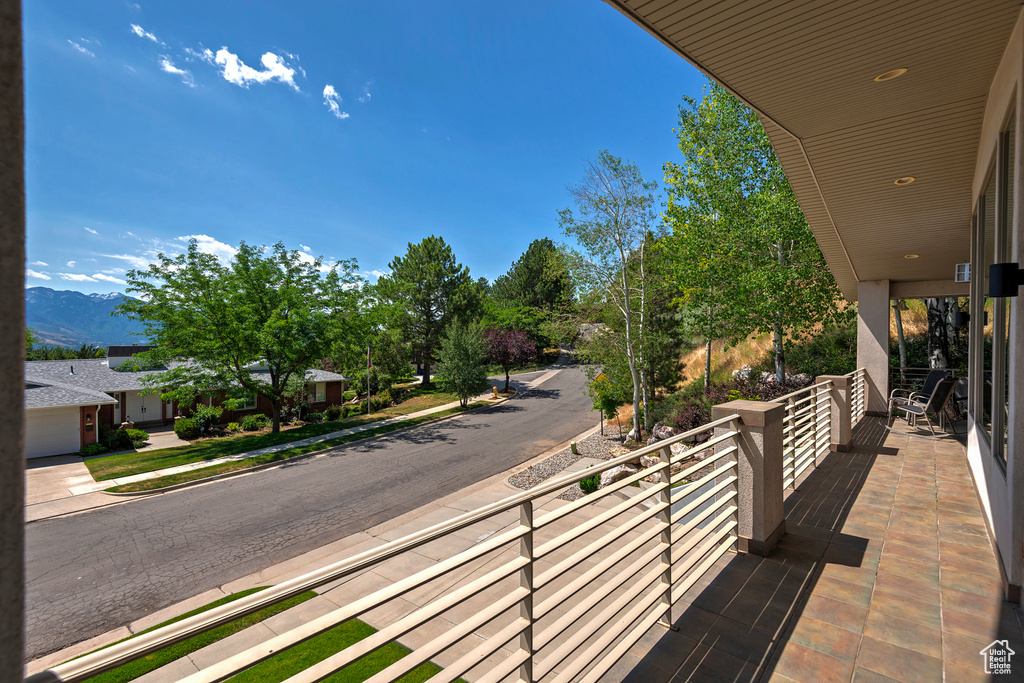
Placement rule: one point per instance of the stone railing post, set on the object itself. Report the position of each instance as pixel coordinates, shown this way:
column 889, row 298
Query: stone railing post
column 762, row 520
column 841, row 395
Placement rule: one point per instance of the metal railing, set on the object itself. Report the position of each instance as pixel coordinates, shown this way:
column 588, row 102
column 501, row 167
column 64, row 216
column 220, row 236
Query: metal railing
column 567, row 589
column 910, row 378
column 806, row 431
column 858, row 395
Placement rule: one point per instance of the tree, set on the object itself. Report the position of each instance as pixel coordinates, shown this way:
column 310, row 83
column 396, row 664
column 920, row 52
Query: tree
column 250, row 327
column 463, row 352
column 613, row 224
column 508, row 348
column 426, row 290
column 538, row 279
column 743, row 252
column 938, row 337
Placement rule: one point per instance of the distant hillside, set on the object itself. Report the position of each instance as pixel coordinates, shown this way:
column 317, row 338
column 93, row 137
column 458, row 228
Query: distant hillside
column 67, row 318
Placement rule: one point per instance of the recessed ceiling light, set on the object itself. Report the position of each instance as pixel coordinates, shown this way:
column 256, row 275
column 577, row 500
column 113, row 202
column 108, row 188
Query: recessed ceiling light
column 905, row 180
column 911, row 256
column 889, row 75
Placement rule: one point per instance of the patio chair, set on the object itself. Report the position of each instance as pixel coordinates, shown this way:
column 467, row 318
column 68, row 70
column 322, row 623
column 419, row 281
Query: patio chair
column 902, row 396
column 936, row 404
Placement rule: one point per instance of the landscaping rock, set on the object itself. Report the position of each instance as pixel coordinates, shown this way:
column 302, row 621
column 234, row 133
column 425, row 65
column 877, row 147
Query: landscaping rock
column 649, row 461
column 616, row 474
column 660, row 433
column 743, row 373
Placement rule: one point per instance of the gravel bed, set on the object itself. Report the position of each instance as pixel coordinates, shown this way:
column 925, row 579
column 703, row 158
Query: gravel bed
column 594, row 446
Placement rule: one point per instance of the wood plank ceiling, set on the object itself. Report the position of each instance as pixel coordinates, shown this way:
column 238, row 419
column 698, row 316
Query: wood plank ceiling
column 808, row 68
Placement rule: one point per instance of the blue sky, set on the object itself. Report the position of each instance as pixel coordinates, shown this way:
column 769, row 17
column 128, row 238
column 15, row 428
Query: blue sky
column 345, row 130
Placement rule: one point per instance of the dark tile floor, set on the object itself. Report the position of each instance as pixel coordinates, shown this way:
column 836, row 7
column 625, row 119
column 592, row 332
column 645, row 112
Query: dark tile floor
column 886, row 573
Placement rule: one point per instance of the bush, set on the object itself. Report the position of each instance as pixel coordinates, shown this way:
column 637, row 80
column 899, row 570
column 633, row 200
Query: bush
column 348, row 395
column 333, row 413
column 315, row 417
column 187, row 428
column 376, row 403
column 234, row 427
column 206, row 416
column 385, row 398
column 119, row 440
column 398, row 394
column 138, row 437
column 254, row 423
column 590, row 484
column 92, row 449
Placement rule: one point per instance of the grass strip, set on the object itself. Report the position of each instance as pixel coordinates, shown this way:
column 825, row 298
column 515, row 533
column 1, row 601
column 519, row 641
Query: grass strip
column 318, row 648
column 155, row 660
column 249, row 463
column 126, row 464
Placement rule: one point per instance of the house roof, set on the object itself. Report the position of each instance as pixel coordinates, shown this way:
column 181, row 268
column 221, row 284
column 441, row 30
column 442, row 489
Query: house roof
column 59, row 395
column 809, row 69
column 94, row 374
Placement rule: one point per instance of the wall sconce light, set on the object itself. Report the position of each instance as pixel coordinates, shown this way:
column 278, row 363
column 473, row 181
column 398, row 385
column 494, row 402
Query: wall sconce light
column 1003, row 280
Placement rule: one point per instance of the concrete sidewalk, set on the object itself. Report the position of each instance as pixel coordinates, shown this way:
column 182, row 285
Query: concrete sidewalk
column 64, row 485
column 331, row 596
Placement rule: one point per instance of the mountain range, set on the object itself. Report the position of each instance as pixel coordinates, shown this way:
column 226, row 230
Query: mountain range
column 66, row 318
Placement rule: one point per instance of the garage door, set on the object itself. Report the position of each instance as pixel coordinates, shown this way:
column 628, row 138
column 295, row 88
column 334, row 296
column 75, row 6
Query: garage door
column 51, row 431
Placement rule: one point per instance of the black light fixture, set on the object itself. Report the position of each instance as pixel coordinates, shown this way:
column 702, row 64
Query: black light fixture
column 1004, row 279
column 962, row 318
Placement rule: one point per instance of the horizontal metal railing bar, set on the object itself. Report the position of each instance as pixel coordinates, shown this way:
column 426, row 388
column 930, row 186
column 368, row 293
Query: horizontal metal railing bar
column 498, row 673
column 699, row 546
column 790, row 395
column 609, row 615
column 694, row 575
column 591, row 600
column 478, row 654
column 120, row 653
column 710, row 476
column 247, row 658
column 678, row 476
column 442, row 642
column 410, row 622
column 621, row 647
column 541, row 610
column 704, row 514
column 591, row 498
column 615, row 534
column 587, row 657
column 580, row 529
column 710, row 443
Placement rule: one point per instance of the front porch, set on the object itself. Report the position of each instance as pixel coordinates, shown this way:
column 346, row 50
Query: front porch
column 886, row 572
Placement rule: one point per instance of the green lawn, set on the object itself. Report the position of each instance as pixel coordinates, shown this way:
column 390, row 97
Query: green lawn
column 549, row 358
column 155, row 660
column 125, row 464
column 248, row 463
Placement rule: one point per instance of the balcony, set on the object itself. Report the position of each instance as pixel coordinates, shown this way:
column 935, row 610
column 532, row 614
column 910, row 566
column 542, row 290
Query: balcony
column 773, row 558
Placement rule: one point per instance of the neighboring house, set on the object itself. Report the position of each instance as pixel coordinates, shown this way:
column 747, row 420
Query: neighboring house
column 67, row 400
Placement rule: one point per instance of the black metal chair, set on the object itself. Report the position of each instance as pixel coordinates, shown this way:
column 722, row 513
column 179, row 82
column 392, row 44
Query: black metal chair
column 903, row 396
column 936, row 403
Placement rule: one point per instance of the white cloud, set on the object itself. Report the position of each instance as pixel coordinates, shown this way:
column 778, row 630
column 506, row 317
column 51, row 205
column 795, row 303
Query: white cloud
column 206, row 55
column 365, row 97
column 130, row 68
column 83, row 50
column 304, row 247
column 186, row 76
column 90, row 230
column 209, row 245
column 108, row 278
column 36, row 274
column 333, row 102
column 142, row 33
column 113, row 271
column 237, row 72
column 40, row 263
column 76, row 277
column 134, row 260
column 71, row 264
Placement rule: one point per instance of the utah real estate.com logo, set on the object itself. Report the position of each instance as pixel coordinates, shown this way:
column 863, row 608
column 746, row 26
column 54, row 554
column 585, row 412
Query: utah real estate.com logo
column 997, row 657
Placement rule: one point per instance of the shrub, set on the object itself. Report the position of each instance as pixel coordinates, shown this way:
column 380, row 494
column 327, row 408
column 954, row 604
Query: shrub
column 333, row 413
column 137, row 435
column 234, row 427
column 92, row 449
column 398, row 394
column 186, row 428
column 206, row 416
column 315, row 417
column 590, row 484
column 348, row 395
column 119, row 440
column 254, row 423
column 385, row 398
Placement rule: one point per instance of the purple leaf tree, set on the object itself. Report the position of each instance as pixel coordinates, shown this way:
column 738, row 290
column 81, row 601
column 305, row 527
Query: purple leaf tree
column 508, row 348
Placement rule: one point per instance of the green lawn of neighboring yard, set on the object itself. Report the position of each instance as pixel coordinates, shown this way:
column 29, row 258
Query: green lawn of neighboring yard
column 125, row 464
column 248, row 463
column 549, row 358
column 155, row 660
column 285, row 664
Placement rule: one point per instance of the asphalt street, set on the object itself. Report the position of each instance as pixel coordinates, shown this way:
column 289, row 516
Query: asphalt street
column 93, row 572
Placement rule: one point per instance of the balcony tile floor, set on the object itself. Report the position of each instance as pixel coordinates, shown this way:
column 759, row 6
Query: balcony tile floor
column 886, row 573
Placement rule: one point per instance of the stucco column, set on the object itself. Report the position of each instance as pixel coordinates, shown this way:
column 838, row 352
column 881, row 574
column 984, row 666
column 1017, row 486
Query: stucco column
column 842, row 411
column 762, row 520
column 12, row 343
column 873, row 342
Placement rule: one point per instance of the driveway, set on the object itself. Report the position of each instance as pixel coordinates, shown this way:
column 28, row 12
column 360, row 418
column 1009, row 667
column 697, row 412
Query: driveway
column 90, row 573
